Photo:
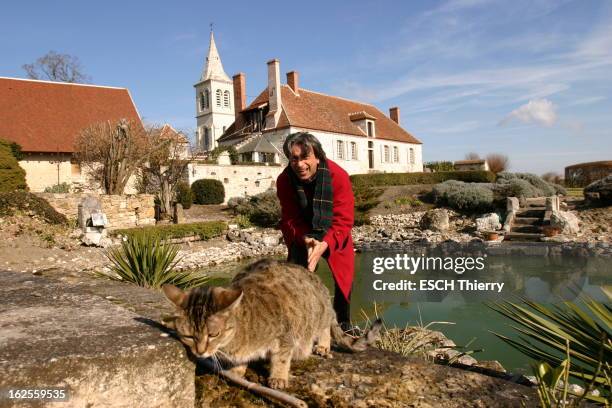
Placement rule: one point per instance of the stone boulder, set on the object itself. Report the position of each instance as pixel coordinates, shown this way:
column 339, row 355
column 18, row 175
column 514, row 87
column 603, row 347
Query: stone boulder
column 488, row 222
column 600, row 191
column 566, row 221
column 435, row 220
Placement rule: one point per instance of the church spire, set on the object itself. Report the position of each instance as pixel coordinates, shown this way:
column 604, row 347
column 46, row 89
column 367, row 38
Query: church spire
column 213, row 69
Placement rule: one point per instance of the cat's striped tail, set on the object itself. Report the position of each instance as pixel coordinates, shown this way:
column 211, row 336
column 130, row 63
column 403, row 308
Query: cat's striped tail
column 354, row 344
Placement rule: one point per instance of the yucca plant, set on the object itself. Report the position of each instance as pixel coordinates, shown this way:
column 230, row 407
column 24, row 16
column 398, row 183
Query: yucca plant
column 147, row 261
column 545, row 332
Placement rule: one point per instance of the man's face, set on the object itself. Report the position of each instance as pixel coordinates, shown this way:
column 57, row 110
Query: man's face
column 303, row 162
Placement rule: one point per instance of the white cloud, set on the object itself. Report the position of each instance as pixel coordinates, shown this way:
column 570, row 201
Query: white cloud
column 537, row 111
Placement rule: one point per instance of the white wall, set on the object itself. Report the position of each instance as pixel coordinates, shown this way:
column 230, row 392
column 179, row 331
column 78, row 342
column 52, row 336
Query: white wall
column 238, row 180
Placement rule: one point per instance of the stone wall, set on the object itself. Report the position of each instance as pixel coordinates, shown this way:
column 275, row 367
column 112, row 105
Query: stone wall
column 583, row 174
column 122, row 211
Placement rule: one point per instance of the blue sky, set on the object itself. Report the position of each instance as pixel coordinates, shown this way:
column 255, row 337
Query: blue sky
column 528, row 78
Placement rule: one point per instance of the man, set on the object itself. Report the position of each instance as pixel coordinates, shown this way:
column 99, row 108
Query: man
column 317, row 206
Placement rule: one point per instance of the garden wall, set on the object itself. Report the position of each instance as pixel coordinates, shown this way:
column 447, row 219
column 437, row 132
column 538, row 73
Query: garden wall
column 122, row 211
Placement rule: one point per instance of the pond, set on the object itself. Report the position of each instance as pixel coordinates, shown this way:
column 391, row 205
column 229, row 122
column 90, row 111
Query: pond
column 543, row 279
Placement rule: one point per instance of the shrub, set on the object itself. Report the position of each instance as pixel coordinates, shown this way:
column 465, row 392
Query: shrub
column 542, row 187
column 395, row 179
column 14, row 148
column 205, row 230
column 184, row 195
column 440, row 166
column 262, row 209
column 24, row 201
column 466, row 197
column 144, row 260
column 58, row 188
column 208, row 191
column 12, row 176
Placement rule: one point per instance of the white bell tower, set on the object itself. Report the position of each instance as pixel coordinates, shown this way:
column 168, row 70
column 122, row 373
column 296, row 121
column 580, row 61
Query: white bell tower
column 214, row 100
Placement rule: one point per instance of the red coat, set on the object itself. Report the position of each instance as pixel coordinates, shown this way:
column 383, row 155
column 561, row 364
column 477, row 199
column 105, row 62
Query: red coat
column 341, row 257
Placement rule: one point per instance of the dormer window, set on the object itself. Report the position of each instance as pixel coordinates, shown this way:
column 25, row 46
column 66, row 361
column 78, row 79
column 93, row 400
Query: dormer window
column 364, row 121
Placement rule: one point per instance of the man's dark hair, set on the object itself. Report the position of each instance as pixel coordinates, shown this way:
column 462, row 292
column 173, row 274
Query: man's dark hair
column 307, row 141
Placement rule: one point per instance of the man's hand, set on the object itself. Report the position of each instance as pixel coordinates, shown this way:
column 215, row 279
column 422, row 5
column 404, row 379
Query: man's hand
column 315, row 249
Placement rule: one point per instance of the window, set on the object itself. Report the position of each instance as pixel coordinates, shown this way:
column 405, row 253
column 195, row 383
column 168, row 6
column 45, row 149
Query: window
column 202, row 101
column 353, row 151
column 206, row 138
column 411, row 155
column 370, row 129
column 226, row 99
column 224, row 129
column 395, row 154
column 266, row 158
column 226, row 180
column 387, row 155
column 218, row 97
column 257, row 183
column 340, row 149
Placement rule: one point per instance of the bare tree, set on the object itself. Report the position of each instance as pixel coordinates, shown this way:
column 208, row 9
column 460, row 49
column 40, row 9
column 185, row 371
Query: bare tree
column 112, row 151
column 166, row 165
column 553, row 177
column 57, row 67
column 498, row 162
column 472, row 156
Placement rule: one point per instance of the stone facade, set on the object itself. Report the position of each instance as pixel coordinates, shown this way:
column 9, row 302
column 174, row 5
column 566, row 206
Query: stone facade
column 122, row 211
column 238, row 180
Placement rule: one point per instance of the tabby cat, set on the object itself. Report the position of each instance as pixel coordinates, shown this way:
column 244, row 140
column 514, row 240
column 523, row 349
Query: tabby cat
column 271, row 310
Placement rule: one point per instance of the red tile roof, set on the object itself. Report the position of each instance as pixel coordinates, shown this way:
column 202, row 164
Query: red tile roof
column 47, row 116
column 316, row 111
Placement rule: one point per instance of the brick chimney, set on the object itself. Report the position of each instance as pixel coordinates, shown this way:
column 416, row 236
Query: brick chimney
column 394, row 114
column 293, row 80
column 239, row 93
column 274, row 94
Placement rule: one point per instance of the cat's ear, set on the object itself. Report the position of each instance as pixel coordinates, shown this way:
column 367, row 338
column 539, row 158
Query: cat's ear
column 226, row 299
column 175, row 295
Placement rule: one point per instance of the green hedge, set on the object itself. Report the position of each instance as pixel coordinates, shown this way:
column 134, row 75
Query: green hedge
column 26, row 202
column 208, row 191
column 184, row 195
column 205, row 230
column 12, row 176
column 398, row 179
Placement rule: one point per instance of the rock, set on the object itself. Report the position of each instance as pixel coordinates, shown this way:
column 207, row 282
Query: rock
column 93, row 238
column 435, row 220
column 233, row 235
column 491, row 365
column 512, row 204
column 270, row 240
column 566, row 221
column 488, row 222
column 600, row 191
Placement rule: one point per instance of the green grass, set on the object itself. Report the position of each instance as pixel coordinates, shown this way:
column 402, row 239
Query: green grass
column 575, row 192
column 205, row 230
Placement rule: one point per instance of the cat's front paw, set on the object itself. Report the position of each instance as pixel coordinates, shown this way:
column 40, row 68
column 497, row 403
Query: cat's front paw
column 322, row 351
column 277, row 383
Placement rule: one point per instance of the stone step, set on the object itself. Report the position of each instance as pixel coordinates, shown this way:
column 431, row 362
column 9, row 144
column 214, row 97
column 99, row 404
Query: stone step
column 530, row 213
column 62, row 335
column 527, row 228
column 522, row 236
column 527, row 221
